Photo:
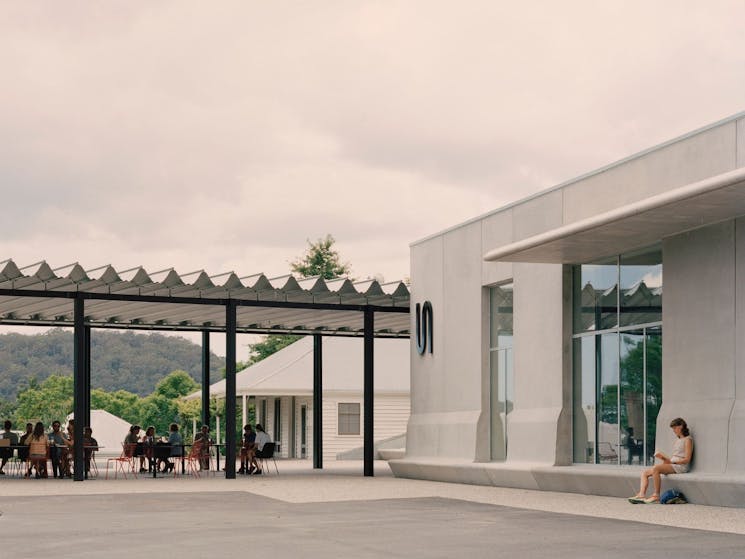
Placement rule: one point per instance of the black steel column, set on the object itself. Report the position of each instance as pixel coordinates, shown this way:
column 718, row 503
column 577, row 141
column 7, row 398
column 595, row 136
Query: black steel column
column 369, row 448
column 205, row 377
column 317, row 401
column 81, row 390
column 87, row 422
column 230, row 348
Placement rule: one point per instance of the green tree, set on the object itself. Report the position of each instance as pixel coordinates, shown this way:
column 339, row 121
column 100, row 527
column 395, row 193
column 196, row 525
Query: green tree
column 176, row 384
column 271, row 344
column 51, row 400
column 321, row 259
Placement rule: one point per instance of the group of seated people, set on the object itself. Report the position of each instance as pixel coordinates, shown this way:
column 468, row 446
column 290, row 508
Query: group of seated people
column 160, row 452
column 36, row 447
column 252, row 448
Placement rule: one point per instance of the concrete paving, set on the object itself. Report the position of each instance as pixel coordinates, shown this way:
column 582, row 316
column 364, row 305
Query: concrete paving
column 340, row 513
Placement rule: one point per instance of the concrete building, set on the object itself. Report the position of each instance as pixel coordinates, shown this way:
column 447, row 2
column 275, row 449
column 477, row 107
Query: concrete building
column 558, row 354
column 280, row 388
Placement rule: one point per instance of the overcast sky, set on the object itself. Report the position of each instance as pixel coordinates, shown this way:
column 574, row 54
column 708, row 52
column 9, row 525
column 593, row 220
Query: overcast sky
column 222, row 135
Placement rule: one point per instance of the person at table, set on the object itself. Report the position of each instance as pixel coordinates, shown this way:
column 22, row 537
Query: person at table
column 6, row 452
column 133, row 438
column 66, row 452
column 56, row 443
column 204, row 448
column 148, row 441
column 23, row 443
column 38, row 449
column 176, row 443
column 90, row 445
column 247, row 450
column 261, row 439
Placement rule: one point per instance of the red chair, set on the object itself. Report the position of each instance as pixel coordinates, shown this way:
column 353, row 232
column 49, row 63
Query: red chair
column 126, row 457
column 193, row 460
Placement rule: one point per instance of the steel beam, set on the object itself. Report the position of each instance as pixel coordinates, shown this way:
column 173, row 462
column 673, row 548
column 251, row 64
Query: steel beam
column 369, row 387
column 317, row 401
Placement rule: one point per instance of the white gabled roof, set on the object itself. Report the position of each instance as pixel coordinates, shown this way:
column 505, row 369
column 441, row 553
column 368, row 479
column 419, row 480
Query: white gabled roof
column 289, row 372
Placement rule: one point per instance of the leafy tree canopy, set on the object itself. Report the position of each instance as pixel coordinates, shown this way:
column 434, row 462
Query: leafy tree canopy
column 321, row 259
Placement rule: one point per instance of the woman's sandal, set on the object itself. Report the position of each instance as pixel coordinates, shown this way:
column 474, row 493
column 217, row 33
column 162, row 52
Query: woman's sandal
column 636, row 500
column 652, row 500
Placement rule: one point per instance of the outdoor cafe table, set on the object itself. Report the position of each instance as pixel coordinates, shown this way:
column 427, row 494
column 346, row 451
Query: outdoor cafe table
column 155, row 456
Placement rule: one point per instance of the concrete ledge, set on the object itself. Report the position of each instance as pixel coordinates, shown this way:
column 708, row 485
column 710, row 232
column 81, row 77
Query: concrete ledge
column 391, row 453
column 727, row 490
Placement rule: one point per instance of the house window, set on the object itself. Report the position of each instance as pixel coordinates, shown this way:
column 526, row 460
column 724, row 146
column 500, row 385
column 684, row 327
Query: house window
column 349, row 419
column 500, row 366
column 617, row 358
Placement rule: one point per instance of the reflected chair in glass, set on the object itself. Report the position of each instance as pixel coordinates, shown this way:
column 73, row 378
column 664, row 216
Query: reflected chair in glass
column 126, row 457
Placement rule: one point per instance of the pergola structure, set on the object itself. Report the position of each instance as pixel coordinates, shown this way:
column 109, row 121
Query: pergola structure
column 104, row 297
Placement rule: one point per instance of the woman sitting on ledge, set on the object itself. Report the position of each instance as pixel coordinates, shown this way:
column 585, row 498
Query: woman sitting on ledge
column 678, row 463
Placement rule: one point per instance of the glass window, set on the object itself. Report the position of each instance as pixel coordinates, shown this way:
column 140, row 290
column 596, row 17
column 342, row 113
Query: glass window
column 584, row 399
column 617, row 387
column 500, row 366
column 596, row 296
column 349, row 419
column 641, row 288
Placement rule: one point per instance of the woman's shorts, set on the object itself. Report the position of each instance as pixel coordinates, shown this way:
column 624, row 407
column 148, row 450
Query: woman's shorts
column 681, row 468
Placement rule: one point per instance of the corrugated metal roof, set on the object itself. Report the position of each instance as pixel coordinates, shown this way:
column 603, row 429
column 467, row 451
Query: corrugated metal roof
column 40, row 295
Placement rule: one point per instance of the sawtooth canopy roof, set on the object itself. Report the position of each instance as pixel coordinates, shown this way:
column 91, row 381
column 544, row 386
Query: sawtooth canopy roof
column 135, row 298
column 635, row 225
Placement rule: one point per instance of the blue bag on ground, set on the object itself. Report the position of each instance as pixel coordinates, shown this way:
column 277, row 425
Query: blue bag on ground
column 672, row 497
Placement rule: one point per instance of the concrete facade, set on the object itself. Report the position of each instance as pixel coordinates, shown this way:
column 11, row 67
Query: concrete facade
column 703, row 367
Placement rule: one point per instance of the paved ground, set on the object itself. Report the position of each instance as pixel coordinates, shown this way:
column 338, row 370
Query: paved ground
column 341, row 514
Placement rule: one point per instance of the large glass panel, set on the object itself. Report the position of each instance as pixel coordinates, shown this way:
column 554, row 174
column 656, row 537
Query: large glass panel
column 596, row 296
column 500, row 298
column 641, row 287
column 632, row 397
column 584, row 399
column 500, row 367
column 653, row 397
column 607, row 364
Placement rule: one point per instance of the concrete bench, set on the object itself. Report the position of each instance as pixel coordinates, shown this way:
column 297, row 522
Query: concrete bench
column 726, row 490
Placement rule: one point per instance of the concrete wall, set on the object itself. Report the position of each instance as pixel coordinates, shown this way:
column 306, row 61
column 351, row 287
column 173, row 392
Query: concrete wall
column 450, row 388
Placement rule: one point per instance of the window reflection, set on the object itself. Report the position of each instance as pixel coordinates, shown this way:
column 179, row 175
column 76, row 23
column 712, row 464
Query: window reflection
column 618, row 370
column 500, row 366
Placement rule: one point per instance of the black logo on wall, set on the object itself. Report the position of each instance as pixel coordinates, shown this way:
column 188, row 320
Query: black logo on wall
column 424, row 327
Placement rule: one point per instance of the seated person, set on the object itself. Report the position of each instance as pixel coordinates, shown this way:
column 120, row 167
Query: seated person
column 248, row 448
column 38, row 450
column 23, row 442
column 148, row 441
column 261, row 439
column 6, row 452
column 56, row 443
column 678, row 463
column 177, row 445
column 204, row 448
column 132, row 440
column 90, row 445
column 66, row 453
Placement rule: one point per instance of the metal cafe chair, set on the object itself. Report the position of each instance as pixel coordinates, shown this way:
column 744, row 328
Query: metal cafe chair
column 126, row 457
column 265, row 454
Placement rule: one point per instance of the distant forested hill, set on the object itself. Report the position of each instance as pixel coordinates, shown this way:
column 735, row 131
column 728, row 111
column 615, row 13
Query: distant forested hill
column 120, row 360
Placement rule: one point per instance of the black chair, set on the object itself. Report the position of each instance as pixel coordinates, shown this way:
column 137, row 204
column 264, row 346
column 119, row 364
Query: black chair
column 267, row 453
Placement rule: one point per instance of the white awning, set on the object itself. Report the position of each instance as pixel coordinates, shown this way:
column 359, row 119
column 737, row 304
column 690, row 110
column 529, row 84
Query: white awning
column 634, row 226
